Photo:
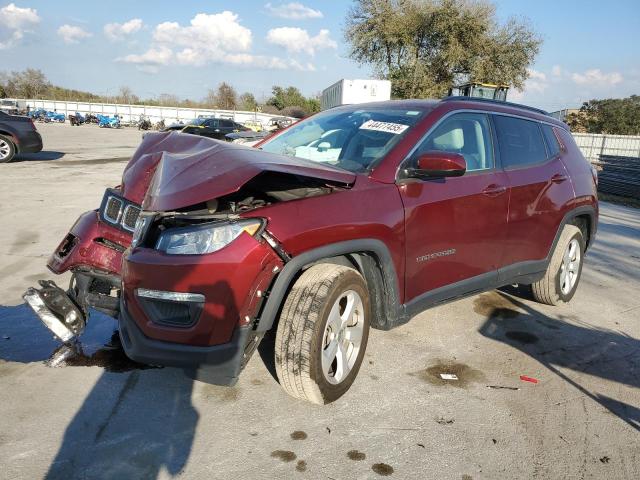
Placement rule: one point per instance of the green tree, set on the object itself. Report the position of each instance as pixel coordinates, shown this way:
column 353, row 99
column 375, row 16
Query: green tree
column 30, row 83
column 247, row 102
column 226, row 97
column 616, row 116
column 423, row 46
column 286, row 97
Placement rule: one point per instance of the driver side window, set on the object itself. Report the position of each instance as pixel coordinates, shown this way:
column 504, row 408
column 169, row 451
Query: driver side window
column 467, row 134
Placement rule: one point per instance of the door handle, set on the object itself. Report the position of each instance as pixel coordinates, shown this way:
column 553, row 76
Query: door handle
column 559, row 178
column 494, row 190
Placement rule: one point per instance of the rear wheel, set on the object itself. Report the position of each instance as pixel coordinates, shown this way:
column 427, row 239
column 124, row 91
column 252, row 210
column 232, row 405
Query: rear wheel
column 7, row 149
column 323, row 333
column 561, row 279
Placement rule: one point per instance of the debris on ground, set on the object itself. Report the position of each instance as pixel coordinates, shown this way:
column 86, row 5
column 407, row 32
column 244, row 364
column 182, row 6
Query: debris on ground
column 524, row 378
column 502, row 387
column 448, row 376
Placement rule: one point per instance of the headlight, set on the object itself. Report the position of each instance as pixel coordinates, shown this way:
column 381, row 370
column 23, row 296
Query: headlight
column 139, row 231
column 204, row 238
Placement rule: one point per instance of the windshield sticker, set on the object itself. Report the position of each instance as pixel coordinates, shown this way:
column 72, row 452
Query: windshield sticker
column 395, row 128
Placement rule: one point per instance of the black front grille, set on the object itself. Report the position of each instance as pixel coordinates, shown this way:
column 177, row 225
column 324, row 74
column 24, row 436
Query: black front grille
column 113, row 209
column 118, row 211
column 130, row 217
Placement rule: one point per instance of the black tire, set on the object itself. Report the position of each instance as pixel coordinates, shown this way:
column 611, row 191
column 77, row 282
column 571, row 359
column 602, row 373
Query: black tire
column 549, row 289
column 300, row 337
column 7, row 149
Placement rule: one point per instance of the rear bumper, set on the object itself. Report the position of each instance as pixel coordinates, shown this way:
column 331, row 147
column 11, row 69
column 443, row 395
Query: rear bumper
column 218, row 364
column 29, row 142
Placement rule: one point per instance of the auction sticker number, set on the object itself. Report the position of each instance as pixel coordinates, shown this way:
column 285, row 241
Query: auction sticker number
column 395, row 128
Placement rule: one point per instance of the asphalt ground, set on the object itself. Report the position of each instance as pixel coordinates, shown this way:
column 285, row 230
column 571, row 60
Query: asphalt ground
column 98, row 415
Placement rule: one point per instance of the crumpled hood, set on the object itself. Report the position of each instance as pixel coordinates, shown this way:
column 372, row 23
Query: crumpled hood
column 172, row 170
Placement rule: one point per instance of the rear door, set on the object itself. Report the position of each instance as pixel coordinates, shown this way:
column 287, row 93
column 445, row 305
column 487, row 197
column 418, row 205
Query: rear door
column 540, row 188
column 455, row 227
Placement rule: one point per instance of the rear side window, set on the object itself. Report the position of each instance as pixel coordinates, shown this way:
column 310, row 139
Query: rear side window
column 226, row 123
column 551, row 139
column 520, row 142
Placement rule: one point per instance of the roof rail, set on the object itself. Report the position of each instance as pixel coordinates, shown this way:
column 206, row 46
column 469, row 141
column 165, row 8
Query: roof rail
column 495, row 102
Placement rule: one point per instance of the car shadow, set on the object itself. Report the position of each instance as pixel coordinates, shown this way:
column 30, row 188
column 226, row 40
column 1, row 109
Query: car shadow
column 137, row 421
column 45, row 155
column 565, row 343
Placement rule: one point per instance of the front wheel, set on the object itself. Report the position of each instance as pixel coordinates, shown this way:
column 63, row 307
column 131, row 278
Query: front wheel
column 561, row 279
column 322, row 334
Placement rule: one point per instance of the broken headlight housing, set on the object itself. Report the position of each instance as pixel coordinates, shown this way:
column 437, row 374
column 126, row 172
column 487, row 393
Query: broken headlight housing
column 204, row 238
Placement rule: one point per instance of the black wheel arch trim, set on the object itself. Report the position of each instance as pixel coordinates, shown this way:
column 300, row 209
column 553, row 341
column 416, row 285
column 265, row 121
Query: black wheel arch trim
column 381, row 278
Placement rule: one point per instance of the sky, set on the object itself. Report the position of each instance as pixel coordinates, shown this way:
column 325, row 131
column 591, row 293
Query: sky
column 591, row 49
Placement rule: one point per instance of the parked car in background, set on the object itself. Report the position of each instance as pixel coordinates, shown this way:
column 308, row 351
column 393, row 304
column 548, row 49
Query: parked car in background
column 254, row 125
column 18, row 134
column 12, row 106
column 358, row 217
column 214, row 128
column 279, row 123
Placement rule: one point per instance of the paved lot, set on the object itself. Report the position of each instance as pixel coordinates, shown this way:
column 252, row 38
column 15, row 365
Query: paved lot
column 100, row 417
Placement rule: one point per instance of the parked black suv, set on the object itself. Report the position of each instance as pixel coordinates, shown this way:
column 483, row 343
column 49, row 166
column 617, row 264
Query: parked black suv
column 215, row 128
column 17, row 135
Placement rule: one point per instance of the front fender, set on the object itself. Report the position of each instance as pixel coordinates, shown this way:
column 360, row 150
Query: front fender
column 390, row 292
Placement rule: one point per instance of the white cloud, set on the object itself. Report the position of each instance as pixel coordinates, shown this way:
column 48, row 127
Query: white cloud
column 209, row 38
column 14, row 23
column 153, row 57
column 293, row 11
column 72, row 34
column 597, row 77
column 208, row 35
column 556, row 71
column 117, row 31
column 536, row 75
column 296, row 40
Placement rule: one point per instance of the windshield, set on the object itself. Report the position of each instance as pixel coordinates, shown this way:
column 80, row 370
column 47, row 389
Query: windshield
column 354, row 139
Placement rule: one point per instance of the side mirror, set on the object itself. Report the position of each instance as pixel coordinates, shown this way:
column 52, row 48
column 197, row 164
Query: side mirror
column 437, row 164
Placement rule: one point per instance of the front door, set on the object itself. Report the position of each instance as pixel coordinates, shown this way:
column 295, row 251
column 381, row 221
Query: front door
column 455, row 227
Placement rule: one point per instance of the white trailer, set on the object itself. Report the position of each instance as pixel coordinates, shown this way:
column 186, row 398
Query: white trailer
column 348, row 92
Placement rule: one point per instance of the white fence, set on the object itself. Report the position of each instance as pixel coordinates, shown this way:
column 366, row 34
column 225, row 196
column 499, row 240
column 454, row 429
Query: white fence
column 594, row 146
column 131, row 113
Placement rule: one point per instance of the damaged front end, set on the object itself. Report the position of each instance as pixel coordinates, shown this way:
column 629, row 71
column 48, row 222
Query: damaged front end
column 176, row 190
column 92, row 251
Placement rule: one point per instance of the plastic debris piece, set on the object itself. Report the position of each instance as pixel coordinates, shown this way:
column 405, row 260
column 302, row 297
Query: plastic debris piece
column 524, row 378
column 503, row 387
column 448, row 376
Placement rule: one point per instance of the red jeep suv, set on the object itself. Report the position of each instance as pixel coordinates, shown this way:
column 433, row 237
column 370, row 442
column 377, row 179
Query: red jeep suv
column 360, row 216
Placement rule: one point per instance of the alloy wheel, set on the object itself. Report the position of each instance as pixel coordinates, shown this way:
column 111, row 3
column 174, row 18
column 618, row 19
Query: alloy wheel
column 342, row 337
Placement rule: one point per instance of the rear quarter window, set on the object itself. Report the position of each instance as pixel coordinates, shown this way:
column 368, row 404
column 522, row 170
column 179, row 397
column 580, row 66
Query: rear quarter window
column 551, row 139
column 520, row 141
